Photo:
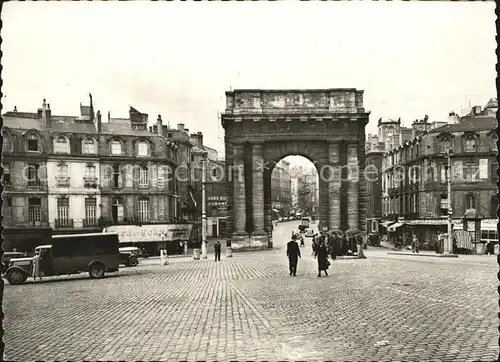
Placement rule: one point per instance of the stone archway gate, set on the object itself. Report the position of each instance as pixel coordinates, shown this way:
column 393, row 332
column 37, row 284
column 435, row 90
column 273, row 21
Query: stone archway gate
column 327, row 126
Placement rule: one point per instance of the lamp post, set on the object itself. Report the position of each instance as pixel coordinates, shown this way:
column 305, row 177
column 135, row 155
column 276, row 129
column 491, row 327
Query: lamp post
column 448, row 246
column 203, row 208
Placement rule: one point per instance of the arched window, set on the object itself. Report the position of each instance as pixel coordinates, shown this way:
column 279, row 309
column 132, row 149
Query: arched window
column 89, row 146
column 142, row 149
column 33, row 143
column 470, row 144
column 116, row 147
column 61, row 145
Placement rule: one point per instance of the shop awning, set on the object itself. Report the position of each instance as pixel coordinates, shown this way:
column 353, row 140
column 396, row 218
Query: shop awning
column 393, row 228
column 386, row 223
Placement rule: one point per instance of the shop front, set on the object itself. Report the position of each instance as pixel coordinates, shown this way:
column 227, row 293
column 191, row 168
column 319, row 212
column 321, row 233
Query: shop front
column 152, row 238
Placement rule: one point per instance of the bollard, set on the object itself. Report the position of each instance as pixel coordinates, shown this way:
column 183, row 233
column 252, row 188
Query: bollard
column 163, row 257
column 185, row 248
column 229, row 252
column 196, row 254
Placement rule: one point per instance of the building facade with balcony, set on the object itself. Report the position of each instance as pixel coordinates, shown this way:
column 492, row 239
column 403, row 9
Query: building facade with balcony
column 66, row 174
column 281, row 189
column 25, row 195
column 414, row 177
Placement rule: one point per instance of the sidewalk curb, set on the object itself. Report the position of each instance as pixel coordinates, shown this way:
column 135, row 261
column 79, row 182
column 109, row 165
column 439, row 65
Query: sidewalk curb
column 428, row 255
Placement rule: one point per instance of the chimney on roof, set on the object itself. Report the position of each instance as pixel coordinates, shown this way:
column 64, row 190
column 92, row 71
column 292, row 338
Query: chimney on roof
column 199, row 135
column 476, row 110
column 452, row 118
column 44, row 108
column 48, row 113
column 91, row 109
column 15, row 109
column 99, row 122
column 180, row 126
column 109, row 116
column 159, row 124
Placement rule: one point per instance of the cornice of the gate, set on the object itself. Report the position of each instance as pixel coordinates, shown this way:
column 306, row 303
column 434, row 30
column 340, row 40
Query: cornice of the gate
column 273, row 137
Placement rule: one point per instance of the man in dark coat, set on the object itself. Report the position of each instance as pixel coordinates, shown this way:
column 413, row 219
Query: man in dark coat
column 217, row 249
column 293, row 254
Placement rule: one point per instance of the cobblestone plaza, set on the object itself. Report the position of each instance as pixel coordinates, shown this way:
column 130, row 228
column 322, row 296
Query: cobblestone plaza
column 384, row 308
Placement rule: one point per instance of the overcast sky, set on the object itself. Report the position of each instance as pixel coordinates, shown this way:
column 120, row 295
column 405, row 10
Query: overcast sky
column 178, row 59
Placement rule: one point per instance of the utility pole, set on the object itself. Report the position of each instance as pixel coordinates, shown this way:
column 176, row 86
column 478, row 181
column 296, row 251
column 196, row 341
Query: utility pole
column 203, row 208
column 448, row 245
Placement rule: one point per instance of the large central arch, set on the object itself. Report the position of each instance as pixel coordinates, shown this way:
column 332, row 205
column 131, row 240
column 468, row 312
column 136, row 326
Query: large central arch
column 326, row 126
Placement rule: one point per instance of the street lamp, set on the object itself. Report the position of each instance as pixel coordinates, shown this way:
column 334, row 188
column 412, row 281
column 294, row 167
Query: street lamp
column 203, row 208
column 448, row 246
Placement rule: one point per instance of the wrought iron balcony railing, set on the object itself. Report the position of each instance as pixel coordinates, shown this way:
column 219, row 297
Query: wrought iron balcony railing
column 62, row 181
column 91, row 222
column 90, row 182
column 63, row 223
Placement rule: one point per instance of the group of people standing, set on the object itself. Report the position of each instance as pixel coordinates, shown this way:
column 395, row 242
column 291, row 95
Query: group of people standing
column 325, row 245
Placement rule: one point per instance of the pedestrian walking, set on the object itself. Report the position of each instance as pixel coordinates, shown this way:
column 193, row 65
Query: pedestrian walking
column 322, row 256
column 36, row 266
column 314, row 243
column 359, row 243
column 293, row 254
column 217, row 249
column 302, row 244
column 415, row 245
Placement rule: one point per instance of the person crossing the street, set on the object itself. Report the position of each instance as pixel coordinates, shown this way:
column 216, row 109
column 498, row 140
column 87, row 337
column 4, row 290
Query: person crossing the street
column 322, row 256
column 415, row 244
column 217, row 249
column 293, row 254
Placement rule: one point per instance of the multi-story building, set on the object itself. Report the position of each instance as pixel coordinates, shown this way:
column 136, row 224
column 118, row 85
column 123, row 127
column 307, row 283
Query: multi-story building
column 415, row 173
column 374, row 155
column 281, row 189
column 216, row 197
column 294, row 188
column 79, row 174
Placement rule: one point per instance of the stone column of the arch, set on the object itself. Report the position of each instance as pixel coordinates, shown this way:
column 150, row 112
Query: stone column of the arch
column 268, row 218
column 352, row 186
column 257, row 189
column 239, row 200
column 334, row 186
column 259, row 239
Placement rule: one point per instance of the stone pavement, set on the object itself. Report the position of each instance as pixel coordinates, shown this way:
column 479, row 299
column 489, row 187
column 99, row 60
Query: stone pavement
column 384, row 308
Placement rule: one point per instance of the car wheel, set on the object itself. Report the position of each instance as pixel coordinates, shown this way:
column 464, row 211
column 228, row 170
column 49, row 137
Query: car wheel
column 96, row 271
column 16, row 277
column 133, row 262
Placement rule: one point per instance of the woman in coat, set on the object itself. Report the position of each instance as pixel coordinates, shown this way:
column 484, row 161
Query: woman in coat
column 322, row 255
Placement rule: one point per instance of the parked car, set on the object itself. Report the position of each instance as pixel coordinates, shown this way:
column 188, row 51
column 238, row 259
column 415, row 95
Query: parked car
column 129, row 256
column 309, row 233
column 95, row 254
column 8, row 255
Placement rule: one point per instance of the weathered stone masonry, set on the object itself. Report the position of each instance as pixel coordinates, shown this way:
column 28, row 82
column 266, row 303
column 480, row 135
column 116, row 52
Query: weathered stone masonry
column 264, row 126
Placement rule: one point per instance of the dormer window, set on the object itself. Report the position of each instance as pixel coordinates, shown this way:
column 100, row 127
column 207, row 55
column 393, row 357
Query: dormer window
column 116, row 147
column 33, row 145
column 493, row 143
column 7, row 144
column 61, row 145
column 142, row 149
column 470, row 144
column 89, row 147
column 445, row 144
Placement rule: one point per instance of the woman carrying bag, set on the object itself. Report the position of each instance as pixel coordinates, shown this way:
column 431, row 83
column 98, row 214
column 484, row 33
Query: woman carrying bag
column 321, row 254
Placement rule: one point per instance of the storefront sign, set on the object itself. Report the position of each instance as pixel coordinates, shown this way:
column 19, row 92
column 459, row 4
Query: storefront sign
column 151, row 233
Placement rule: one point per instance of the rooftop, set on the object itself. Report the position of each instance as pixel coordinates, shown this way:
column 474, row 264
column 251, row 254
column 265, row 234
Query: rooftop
column 470, row 124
